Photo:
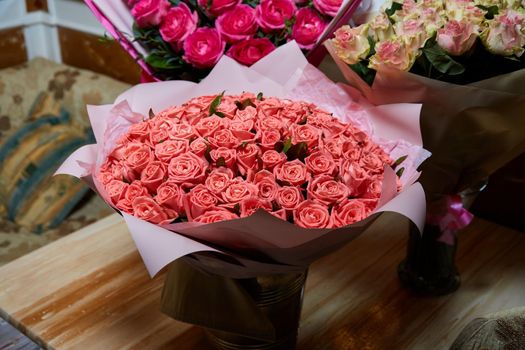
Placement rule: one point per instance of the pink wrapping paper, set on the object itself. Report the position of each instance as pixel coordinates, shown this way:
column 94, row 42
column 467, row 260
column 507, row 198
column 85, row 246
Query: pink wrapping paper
column 261, row 243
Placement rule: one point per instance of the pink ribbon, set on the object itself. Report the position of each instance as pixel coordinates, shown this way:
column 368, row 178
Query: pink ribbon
column 453, row 218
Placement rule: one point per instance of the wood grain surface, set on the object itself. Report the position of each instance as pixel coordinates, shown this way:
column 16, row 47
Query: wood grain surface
column 90, row 290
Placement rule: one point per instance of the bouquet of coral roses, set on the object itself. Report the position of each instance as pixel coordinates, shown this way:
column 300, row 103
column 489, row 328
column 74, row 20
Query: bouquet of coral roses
column 223, row 157
column 185, row 39
column 242, row 184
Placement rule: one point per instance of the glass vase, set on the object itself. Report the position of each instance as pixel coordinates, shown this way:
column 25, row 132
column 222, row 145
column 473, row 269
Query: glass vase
column 429, row 267
column 280, row 299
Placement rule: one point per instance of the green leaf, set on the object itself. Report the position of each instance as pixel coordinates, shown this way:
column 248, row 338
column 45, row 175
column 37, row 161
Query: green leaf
column 161, row 62
column 244, row 144
column 372, row 44
column 395, row 6
column 237, row 209
column 491, row 11
column 242, row 105
column 400, row 172
column 150, row 113
column 220, row 114
column 221, row 161
column 260, row 96
column 441, row 61
column 399, row 161
column 174, row 2
column 303, row 121
column 207, row 154
column 215, row 104
column 367, row 74
column 287, row 145
column 298, row 151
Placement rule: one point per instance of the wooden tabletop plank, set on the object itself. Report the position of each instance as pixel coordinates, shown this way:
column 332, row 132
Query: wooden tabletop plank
column 90, row 290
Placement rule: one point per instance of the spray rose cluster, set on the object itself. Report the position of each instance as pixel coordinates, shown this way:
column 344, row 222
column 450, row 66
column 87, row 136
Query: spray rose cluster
column 439, row 32
column 183, row 35
column 223, row 157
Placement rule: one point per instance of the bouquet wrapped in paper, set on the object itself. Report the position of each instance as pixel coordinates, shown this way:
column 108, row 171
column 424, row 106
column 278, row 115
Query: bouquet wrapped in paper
column 253, row 172
column 464, row 61
column 185, row 39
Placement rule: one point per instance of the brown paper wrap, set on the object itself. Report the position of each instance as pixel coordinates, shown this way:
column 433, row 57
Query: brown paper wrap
column 471, row 130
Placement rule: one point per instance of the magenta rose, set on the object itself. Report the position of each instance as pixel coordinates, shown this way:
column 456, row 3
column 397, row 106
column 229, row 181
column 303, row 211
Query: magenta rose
column 187, row 169
column 170, row 194
column 203, row 48
column 307, row 28
column 293, row 173
column 218, row 7
column 237, row 24
column 178, row 23
column 215, row 215
column 289, row 197
column 153, row 175
column 310, row 214
column 348, row 212
column 328, row 7
column 148, row 13
column 249, row 51
column 198, row 201
column 324, row 189
column 146, row 208
column 272, row 14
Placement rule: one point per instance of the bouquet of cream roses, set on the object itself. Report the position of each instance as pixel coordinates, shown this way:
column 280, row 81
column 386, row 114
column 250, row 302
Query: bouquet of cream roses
column 453, row 40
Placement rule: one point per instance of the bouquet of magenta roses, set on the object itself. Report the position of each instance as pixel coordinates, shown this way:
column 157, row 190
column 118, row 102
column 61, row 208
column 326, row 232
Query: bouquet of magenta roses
column 463, row 60
column 239, row 184
column 185, row 39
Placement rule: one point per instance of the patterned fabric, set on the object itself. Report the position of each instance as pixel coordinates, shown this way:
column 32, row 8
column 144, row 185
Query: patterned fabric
column 504, row 330
column 42, row 119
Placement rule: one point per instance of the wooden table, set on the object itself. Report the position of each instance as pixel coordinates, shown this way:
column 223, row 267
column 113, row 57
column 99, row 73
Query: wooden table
column 90, row 290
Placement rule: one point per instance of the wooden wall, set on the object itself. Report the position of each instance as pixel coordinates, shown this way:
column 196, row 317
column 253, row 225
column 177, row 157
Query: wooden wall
column 103, row 56
column 12, row 47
